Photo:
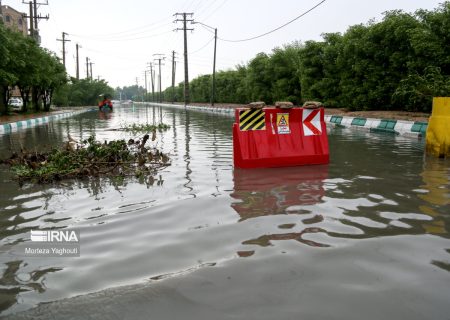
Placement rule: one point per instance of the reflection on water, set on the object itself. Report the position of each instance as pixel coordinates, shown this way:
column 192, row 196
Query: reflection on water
column 14, row 281
column 370, row 227
column 271, row 191
column 436, row 189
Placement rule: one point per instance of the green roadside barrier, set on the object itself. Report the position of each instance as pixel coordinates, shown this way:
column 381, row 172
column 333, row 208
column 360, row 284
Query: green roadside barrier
column 361, row 122
column 385, row 126
column 336, row 119
column 420, row 127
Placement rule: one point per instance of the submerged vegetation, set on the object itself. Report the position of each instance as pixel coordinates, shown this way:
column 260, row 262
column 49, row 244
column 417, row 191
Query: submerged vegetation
column 90, row 158
column 144, row 127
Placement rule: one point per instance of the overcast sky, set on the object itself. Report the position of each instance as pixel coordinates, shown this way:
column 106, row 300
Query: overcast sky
column 121, row 37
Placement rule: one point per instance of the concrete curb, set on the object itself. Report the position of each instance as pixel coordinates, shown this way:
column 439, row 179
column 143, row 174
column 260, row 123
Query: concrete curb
column 413, row 129
column 228, row 111
column 28, row 123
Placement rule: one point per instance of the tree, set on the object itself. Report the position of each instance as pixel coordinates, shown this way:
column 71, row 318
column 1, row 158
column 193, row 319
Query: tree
column 6, row 74
column 284, row 65
column 30, row 68
column 258, row 78
column 52, row 76
column 397, row 63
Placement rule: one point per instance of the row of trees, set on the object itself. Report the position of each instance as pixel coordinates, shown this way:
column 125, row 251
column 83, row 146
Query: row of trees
column 35, row 71
column 398, row 63
column 82, row 92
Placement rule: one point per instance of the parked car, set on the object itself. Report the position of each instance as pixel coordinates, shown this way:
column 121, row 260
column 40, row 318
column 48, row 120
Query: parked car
column 15, row 103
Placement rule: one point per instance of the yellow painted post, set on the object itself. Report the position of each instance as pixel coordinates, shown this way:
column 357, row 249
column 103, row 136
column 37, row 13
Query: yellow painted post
column 438, row 130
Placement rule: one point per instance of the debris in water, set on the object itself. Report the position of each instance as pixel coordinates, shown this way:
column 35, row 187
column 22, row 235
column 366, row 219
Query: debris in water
column 90, row 158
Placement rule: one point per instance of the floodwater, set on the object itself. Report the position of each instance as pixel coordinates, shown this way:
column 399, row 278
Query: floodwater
column 365, row 237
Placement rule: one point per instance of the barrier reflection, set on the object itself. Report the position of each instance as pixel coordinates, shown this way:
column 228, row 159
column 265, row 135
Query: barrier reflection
column 436, row 179
column 261, row 192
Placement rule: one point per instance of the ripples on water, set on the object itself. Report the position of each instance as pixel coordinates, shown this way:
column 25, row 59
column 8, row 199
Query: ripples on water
column 371, row 225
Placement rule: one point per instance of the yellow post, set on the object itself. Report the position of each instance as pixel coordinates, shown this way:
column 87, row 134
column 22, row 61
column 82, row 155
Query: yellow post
column 438, row 131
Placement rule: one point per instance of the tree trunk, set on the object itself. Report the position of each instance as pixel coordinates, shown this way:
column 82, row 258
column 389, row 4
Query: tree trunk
column 25, row 93
column 35, row 99
column 3, row 101
column 47, row 99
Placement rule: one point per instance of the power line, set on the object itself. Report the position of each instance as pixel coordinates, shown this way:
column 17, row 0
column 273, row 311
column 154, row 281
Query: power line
column 276, row 29
column 209, row 41
column 114, row 34
column 122, row 39
column 213, row 11
column 199, row 3
column 206, row 8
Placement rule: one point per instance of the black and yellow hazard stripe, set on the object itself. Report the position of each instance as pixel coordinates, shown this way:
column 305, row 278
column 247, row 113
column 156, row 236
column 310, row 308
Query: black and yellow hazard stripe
column 252, row 119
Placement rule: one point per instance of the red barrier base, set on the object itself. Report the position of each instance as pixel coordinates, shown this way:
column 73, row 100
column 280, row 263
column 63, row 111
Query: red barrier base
column 274, row 137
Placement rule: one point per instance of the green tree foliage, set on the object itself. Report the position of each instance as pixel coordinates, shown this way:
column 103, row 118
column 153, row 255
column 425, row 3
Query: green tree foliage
column 83, row 92
column 35, row 71
column 398, row 63
column 6, row 76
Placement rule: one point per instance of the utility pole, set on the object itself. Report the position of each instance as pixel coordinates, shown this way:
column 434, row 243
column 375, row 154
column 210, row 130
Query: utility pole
column 173, row 75
column 90, row 64
column 152, row 77
column 213, row 86
column 31, row 16
column 145, row 76
column 34, row 17
column 87, row 68
column 78, row 62
column 137, row 88
column 159, row 59
column 1, row 14
column 64, row 40
column 186, row 69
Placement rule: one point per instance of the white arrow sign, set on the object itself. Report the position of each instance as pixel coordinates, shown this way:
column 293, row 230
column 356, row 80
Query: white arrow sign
column 311, row 122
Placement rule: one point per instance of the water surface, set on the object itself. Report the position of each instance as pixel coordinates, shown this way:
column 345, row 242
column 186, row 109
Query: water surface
column 366, row 236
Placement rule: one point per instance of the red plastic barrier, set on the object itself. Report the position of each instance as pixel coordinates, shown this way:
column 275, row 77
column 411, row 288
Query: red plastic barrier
column 273, row 137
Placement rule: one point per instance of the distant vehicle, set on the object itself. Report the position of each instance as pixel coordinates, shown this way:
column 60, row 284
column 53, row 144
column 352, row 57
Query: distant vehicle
column 15, row 103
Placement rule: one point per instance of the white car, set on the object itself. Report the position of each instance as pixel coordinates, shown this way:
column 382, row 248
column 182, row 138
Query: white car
column 15, row 103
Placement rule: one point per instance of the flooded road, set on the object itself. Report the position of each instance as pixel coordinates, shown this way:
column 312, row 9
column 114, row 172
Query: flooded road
column 366, row 236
